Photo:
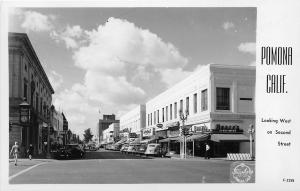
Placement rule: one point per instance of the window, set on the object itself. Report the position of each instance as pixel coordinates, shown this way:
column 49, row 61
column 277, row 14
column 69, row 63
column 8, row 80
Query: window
column 223, row 102
column 163, row 115
column 181, row 105
column 25, row 67
column 195, row 103
column 151, row 118
column 25, row 90
column 37, row 102
column 148, row 120
column 157, row 116
column 154, row 117
column 41, row 106
column 170, row 111
column 187, row 104
column 175, row 110
column 204, row 100
column 166, row 113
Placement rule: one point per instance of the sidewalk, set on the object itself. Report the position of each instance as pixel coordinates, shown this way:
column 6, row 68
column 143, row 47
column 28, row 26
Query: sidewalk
column 177, row 157
column 23, row 164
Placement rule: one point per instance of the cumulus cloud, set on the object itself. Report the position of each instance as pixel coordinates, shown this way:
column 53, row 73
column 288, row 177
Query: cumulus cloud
column 124, row 63
column 37, row 22
column 228, row 25
column 55, row 79
column 70, row 36
column 248, row 47
column 124, row 66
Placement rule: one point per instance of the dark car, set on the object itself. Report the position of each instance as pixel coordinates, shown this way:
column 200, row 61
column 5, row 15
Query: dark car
column 70, row 151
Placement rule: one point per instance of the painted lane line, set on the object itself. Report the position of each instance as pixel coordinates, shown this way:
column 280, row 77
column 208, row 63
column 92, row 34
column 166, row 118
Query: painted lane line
column 25, row 170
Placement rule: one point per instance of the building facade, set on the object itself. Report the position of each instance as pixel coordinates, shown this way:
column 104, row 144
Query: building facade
column 104, row 124
column 27, row 79
column 111, row 134
column 57, row 124
column 133, row 121
column 219, row 102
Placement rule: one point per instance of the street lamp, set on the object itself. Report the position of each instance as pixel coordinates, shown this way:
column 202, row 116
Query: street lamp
column 24, row 109
column 251, row 132
column 183, row 118
column 24, row 112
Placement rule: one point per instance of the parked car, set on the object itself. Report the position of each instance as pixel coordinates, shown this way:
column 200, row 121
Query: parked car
column 142, row 149
column 154, row 149
column 70, row 151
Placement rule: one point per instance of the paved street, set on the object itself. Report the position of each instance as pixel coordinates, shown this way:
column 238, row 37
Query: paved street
column 114, row 167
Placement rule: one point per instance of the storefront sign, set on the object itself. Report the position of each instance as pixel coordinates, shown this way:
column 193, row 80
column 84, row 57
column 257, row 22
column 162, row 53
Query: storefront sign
column 148, row 132
column 159, row 125
column 200, row 128
column 221, row 128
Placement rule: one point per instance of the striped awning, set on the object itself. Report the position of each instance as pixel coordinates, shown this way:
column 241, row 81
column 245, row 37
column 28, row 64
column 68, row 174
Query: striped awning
column 229, row 137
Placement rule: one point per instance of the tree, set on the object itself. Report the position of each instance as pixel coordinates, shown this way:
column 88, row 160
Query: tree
column 88, row 136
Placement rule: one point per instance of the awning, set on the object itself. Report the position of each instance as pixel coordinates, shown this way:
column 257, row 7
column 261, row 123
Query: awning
column 229, row 137
column 198, row 137
column 170, row 139
column 147, row 140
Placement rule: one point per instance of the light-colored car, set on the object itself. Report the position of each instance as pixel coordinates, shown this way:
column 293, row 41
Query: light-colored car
column 154, row 149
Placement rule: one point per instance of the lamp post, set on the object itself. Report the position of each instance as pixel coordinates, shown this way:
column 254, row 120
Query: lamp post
column 183, row 118
column 251, row 132
column 25, row 117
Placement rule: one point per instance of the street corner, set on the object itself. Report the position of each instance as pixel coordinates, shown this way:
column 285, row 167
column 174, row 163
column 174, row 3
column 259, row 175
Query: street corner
column 23, row 164
column 242, row 172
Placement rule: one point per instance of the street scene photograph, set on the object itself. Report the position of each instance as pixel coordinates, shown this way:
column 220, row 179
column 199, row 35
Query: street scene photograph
column 131, row 95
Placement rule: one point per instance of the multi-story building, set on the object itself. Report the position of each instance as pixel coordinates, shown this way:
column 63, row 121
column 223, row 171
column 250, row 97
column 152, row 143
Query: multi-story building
column 133, row 121
column 57, row 124
column 111, row 134
column 27, row 79
column 219, row 101
column 104, row 124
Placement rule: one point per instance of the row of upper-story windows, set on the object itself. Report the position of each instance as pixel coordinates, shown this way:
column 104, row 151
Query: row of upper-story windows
column 172, row 111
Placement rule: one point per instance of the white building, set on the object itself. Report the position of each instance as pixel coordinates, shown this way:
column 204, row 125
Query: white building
column 218, row 98
column 134, row 120
column 111, row 132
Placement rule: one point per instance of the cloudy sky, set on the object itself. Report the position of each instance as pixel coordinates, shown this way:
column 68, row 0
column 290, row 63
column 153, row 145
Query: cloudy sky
column 111, row 59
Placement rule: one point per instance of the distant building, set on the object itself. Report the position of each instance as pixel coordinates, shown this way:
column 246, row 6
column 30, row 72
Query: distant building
column 27, row 79
column 111, row 134
column 104, row 124
column 133, row 121
column 57, row 124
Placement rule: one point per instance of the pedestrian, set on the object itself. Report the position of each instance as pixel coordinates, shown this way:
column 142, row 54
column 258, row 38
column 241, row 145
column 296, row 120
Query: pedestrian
column 15, row 151
column 30, row 151
column 207, row 150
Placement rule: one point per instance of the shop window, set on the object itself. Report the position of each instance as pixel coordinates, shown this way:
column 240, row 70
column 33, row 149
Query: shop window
column 223, row 99
column 195, row 103
column 204, row 100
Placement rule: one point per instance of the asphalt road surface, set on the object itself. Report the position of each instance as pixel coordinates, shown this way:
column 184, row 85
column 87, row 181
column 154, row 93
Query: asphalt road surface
column 115, row 168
